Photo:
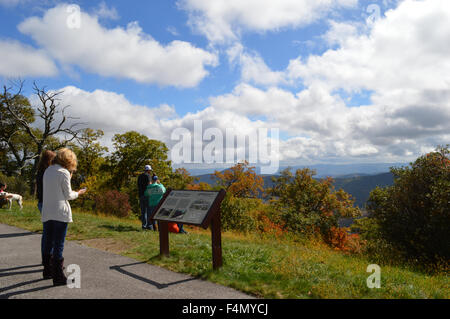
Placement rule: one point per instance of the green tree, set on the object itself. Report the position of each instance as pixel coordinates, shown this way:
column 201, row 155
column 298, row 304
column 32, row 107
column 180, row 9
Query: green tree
column 90, row 154
column 180, row 179
column 132, row 151
column 16, row 143
column 414, row 214
column 308, row 206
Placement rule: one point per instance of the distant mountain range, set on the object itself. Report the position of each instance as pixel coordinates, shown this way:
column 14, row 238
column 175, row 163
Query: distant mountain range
column 322, row 170
column 357, row 185
column 361, row 186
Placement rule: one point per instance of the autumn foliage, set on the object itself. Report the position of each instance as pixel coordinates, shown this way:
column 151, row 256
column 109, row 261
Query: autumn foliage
column 113, row 203
column 309, row 206
column 241, row 180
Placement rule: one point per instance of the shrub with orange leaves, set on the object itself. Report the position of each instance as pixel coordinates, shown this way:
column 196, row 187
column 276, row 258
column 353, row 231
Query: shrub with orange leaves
column 268, row 226
column 340, row 239
column 202, row 186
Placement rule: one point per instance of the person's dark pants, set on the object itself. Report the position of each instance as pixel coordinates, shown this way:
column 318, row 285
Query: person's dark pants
column 53, row 237
column 181, row 229
column 151, row 222
column 143, row 202
column 43, row 234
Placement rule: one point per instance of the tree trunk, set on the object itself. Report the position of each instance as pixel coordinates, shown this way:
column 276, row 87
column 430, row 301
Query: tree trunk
column 34, row 171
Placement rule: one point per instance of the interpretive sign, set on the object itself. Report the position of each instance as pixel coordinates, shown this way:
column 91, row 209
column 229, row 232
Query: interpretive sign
column 187, row 207
column 199, row 208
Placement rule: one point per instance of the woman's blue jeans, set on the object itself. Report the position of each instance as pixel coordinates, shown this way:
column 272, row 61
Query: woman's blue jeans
column 53, row 237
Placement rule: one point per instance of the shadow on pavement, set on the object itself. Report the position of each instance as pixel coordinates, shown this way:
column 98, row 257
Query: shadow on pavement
column 6, row 274
column 16, row 235
column 146, row 280
column 20, row 267
column 20, row 285
column 14, row 293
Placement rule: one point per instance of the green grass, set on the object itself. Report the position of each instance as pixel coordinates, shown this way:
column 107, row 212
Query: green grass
column 263, row 267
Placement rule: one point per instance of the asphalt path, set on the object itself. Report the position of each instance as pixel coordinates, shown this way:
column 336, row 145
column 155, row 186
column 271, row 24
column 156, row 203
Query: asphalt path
column 103, row 275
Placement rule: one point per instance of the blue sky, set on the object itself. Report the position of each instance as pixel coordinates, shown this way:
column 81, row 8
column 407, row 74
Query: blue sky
column 336, row 77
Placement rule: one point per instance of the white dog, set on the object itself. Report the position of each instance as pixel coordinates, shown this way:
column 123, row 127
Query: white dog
column 10, row 197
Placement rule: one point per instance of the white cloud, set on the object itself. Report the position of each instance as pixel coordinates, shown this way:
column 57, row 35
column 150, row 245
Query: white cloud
column 104, row 12
column 253, row 67
column 407, row 49
column 113, row 113
column 339, row 32
column 124, row 53
column 320, row 125
column 20, row 60
column 173, row 31
column 224, row 20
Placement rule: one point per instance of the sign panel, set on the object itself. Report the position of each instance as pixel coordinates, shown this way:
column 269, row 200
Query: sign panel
column 187, row 207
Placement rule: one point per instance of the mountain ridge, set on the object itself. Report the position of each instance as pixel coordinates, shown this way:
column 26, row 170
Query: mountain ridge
column 358, row 185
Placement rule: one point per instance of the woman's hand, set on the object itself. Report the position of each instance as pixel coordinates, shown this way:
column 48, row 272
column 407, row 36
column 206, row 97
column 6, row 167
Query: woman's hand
column 82, row 191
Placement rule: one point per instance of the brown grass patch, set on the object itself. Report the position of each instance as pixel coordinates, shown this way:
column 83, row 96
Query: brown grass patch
column 107, row 244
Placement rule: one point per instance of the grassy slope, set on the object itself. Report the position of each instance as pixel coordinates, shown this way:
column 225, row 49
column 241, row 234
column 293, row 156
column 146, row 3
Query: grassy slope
column 262, row 267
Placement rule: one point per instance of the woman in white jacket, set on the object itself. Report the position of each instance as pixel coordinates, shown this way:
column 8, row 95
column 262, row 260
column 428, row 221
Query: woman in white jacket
column 56, row 212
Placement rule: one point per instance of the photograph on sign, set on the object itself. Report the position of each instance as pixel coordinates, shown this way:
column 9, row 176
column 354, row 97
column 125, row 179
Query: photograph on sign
column 186, row 206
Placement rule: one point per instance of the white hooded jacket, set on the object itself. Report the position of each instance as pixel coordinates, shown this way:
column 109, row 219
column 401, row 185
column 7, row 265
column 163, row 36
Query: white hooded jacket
column 57, row 192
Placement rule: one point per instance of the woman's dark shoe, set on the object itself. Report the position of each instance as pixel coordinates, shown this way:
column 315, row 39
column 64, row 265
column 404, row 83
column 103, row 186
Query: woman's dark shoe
column 59, row 279
column 47, row 262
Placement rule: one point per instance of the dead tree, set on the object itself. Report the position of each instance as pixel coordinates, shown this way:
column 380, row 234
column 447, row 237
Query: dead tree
column 54, row 121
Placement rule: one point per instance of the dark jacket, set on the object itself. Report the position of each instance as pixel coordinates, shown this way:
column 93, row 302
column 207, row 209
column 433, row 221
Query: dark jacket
column 39, row 186
column 143, row 181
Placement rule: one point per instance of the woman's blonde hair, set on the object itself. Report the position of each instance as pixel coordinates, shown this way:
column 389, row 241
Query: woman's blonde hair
column 67, row 159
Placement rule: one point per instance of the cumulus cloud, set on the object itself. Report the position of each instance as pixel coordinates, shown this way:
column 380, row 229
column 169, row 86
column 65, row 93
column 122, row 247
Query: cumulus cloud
column 105, row 12
column 114, row 113
column 339, row 32
column 253, row 67
column 224, row 20
column 124, row 53
column 20, row 60
column 401, row 59
column 407, row 49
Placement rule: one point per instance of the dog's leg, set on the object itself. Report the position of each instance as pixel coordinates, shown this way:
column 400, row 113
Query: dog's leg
column 20, row 202
column 9, row 203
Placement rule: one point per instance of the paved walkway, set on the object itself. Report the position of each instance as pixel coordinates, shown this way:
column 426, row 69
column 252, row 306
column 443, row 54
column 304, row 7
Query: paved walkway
column 103, row 275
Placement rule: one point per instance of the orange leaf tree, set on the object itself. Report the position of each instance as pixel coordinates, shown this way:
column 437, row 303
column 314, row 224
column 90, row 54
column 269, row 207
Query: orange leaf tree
column 241, row 180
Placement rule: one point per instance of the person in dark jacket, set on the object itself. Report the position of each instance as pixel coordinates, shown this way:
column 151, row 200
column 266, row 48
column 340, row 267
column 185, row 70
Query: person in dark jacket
column 143, row 181
column 45, row 161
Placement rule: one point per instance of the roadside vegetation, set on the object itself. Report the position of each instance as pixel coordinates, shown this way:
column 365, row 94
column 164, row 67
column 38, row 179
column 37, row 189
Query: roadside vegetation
column 265, row 266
